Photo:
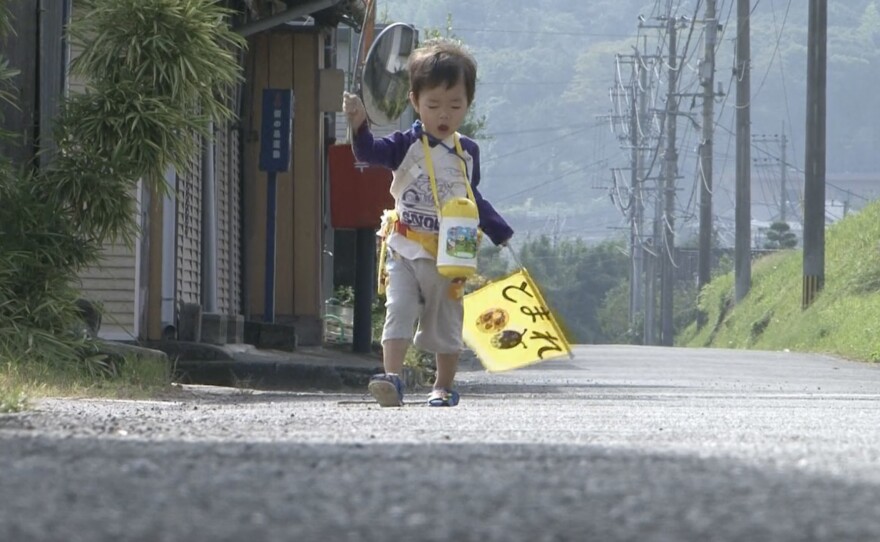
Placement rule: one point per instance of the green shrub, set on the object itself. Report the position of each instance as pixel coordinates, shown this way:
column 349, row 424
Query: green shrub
column 156, row 73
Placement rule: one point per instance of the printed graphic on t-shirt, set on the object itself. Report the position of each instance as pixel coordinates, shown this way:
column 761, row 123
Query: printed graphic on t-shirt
column 418, row 210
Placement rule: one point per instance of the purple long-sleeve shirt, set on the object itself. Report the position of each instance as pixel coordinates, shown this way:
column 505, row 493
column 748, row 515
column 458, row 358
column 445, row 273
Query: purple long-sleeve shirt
column 403, row 153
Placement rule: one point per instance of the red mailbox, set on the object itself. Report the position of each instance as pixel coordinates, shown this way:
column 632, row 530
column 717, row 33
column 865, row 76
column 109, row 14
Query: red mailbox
column 358, row 192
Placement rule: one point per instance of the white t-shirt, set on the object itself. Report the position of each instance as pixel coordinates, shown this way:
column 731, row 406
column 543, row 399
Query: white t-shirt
column 414, row 200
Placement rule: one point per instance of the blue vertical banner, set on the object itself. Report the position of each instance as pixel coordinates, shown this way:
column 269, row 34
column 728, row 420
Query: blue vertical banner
column 276, row 129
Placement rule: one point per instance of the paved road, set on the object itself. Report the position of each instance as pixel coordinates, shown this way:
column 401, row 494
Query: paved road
column 620, row 444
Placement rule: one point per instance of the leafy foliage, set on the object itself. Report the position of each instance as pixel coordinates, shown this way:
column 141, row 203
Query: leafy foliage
column 613, row 317
column 7, row 75
column 156, row 71
column 843, row 319
column 39, row 257
column 614, row 313
column 180, row 50
column 36, row 252
column 575, row 280
column 780, row 236
column 6, row 24
column 13, row 400
column 491, row 262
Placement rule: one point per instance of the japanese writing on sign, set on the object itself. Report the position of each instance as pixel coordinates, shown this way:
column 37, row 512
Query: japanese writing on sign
column 508, row 324
column 276, row 129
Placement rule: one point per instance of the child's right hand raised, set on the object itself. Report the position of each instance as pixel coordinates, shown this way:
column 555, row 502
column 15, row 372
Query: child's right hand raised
column 354, row 109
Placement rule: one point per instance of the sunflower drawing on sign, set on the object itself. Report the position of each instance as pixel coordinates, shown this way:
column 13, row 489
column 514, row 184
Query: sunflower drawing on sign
column 493, row 320
column 509, row 325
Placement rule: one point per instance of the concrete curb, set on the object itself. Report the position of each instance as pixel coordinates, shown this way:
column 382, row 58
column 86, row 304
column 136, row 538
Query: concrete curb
column 192, row 351
column 244, row 366
column 273, row 375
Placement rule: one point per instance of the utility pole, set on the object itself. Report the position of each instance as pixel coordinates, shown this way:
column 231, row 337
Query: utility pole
column 814, row 153
column 635, row 140
column 707, row 80
column 649, row 246
column 651, row 261
column 631, row 116
column 743, row 248
column 783, row 178
column 782, row 141
column 667, row 250
column 647, row 257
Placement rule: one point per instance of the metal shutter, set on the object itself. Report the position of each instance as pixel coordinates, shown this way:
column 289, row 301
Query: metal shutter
column 189, row 230
column 224, row 257
column 235, row 220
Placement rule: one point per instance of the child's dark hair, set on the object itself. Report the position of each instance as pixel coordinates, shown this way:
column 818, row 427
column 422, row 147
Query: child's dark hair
column 442, row 62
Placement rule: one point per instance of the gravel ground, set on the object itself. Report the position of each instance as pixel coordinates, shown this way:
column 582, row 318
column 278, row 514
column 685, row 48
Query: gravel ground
column 619, row 444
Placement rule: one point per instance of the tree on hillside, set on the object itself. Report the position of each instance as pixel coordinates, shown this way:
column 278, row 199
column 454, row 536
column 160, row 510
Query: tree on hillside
column 613, row 317
column 490, row 261
column 575, row 280
column 780, row 236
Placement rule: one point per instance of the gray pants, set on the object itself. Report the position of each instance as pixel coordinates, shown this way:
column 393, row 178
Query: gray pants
column 416, row 292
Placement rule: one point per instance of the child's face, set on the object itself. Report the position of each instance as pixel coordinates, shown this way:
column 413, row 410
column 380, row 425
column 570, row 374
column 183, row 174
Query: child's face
column 441, row 109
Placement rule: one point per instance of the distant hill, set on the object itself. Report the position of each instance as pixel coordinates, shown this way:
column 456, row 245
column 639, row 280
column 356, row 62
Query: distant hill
column 546, row 68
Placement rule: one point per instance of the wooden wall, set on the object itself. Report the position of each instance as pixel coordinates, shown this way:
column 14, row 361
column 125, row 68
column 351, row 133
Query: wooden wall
column 286, row 59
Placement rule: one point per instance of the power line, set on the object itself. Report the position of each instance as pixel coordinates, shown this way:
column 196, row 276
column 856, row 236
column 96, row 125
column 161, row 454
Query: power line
column 525, row 149
column 555, row 179
column 538, row 32
column 784, row 84
column 545, row 129
column 775, row 48
column 528, row 83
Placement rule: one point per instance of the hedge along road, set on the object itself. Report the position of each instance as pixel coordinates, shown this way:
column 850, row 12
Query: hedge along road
column 621, row 443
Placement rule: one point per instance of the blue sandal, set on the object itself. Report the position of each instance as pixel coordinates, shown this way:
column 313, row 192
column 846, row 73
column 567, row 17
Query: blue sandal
column 386, row 389
column 442, row 397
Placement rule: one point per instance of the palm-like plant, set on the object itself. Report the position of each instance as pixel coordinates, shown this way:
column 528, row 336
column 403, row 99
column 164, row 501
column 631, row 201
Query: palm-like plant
column 38, row 253
column 156, row 72
column 182, row 50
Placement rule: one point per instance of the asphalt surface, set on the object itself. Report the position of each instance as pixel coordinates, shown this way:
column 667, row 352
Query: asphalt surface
column 622, row 443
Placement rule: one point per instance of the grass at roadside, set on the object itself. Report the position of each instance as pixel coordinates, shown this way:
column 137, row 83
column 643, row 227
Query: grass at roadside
column 12, row 398
column 24, row 380
column 843, row 320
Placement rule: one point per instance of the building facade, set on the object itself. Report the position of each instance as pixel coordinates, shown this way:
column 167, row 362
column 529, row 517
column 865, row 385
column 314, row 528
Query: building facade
column 198, row 271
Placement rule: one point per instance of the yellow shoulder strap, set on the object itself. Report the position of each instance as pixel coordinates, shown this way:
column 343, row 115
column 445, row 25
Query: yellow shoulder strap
column 429, row 164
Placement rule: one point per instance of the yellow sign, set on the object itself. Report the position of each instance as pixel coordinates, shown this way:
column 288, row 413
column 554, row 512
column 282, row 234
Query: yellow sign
column 508, row 324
